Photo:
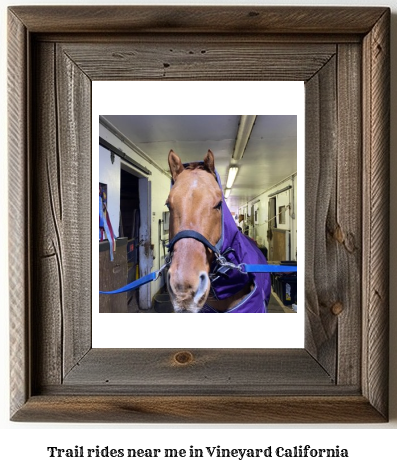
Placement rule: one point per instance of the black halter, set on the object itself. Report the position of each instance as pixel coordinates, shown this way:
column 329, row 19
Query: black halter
column 191, row 235
column 220, row 266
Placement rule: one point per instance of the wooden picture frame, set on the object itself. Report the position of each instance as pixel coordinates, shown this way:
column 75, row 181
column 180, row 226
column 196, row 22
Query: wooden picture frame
column 342, row 54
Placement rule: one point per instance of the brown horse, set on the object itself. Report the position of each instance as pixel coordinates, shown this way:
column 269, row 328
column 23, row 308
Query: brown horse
column 195, row 204
column 201, row 229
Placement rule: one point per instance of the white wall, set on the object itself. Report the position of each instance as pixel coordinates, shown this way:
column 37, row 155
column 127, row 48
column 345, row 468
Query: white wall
column 259, row 230
column 160, row 189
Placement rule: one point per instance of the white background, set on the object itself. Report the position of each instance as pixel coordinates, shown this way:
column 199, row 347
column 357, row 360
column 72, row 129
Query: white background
column 24, row 445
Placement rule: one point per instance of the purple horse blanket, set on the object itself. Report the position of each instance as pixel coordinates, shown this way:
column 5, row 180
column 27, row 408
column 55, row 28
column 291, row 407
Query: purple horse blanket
column 243, row 250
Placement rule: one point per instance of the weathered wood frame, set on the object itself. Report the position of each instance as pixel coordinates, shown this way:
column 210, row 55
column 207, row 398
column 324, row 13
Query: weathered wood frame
column 343, row 56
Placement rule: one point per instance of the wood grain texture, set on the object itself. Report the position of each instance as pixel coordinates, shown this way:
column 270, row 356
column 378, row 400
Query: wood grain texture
column 333, row 235
column 19, row 226
column 61, row 203
column 341, row 376
column 346, row 228
column 73, row 108
column 47, row 253
column 204, row 370
column 197, row 19
column 198, row 409
column 224, row 59
column 376, row 143
column 320, row 175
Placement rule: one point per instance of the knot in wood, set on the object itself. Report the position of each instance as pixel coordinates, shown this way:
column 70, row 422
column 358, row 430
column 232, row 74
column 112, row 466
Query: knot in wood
column 337, row 308
column 338, row 235
column 183, row 358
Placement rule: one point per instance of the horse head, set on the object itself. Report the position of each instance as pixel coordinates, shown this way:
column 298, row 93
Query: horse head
column 195, row 204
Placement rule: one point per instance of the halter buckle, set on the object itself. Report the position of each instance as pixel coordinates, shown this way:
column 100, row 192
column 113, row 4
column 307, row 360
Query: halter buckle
column 162, row 268
column 225, row 263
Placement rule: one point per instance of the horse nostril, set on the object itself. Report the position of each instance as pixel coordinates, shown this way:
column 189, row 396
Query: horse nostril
column 203, row 279
column 202, row 286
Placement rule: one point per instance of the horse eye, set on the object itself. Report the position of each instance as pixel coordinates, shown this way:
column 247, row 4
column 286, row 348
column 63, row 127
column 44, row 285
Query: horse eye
column 219, row 205
column 167, row 204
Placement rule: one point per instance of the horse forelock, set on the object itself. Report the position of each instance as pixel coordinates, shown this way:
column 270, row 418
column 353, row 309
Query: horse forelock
column 199, row 166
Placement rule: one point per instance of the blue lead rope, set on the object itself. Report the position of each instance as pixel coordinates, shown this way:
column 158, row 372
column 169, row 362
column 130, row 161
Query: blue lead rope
column 247, row 268
column 243, row 267
column 134, row 285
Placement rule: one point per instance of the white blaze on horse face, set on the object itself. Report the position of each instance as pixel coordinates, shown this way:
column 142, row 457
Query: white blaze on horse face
column 192, row 200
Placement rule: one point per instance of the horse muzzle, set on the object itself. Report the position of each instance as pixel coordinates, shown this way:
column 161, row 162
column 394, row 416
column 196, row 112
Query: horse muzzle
column 188, row 294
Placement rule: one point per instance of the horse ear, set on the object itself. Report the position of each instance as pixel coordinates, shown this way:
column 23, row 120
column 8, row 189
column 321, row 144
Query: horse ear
column 209, row 162
column 175, row 164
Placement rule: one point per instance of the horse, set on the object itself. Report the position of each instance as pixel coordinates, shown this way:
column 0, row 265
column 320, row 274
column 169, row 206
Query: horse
column 206, row 246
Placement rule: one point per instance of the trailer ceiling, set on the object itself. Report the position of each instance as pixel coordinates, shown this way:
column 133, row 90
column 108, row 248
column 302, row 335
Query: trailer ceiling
column 270, row 155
